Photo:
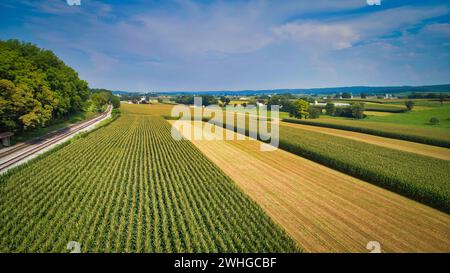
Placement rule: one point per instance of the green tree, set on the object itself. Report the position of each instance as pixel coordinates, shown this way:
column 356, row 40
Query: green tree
column 99, row 100
column 330, row 109
column 115, row 101
column 225, row 100
column 409, row 105
column 434, row 121
column 313, row 113
column 358, row 110
column 442, row 97
column 37, row 87
column 302, row 109
column 346, row 95
column 19, row 109
column 208, row 100
column 101, row 97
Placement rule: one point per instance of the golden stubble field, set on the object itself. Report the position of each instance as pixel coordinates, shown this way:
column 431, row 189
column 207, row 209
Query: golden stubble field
column 325, row 210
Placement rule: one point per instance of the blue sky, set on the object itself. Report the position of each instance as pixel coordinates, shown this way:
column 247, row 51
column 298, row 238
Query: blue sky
column 144, row 45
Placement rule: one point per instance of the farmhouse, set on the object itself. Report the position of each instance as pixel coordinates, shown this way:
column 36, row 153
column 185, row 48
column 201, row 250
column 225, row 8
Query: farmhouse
column 335, row 103
column 143, row 100
column 341, row 104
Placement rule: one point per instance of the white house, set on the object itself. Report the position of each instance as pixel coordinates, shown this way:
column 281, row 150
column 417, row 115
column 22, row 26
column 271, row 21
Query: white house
column 143, row 100
column 341, row 104
column 319, row 103
column 335, row 103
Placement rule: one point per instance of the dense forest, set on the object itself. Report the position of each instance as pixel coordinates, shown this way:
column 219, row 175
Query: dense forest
column 37, row 88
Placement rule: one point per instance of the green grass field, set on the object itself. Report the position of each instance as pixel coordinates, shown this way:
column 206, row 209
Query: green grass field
column 419, row 117
column 130, row 187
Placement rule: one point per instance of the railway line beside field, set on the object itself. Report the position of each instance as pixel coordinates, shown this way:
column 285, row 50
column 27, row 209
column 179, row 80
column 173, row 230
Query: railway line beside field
column 22, row 152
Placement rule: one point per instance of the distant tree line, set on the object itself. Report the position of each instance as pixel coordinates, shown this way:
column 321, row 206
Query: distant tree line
column 345, row 95
column 36, row 87
column 188, row 99
column 295, row 106
column 131, row 97
column 439, row 96
column 355, row 110
column 415, row 95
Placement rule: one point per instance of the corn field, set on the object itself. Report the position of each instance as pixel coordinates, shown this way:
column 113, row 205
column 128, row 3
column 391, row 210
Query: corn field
column 129, row 187
column 422, row 178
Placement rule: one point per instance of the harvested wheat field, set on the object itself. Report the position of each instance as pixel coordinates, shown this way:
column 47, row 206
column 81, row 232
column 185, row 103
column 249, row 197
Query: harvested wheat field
column 403, row 145
column 325, row 210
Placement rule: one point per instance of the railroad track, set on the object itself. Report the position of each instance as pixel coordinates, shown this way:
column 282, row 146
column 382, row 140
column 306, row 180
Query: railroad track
column 5, row 152
column 55, row 137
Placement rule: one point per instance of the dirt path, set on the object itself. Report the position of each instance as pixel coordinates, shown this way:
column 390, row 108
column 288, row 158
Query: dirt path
column 325, row 210
column 407, row 146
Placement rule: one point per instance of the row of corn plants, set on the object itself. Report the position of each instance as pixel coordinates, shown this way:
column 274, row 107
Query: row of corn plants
column 130, row 187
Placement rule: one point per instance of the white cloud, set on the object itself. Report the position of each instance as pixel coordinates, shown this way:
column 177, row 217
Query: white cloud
column 344, row 32
column 226, row 27
column 317, row 35
column 201, row 29
column 395, row 19
column 185, row 44
column 439, row 30
column 92, row 8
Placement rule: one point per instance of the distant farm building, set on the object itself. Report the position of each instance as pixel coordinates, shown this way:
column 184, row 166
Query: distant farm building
column 319, row 103
column 143, row 100
column 5, row 138
column 337, row 104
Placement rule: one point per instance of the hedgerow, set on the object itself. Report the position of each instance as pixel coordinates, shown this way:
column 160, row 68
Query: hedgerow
column 388, row 110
